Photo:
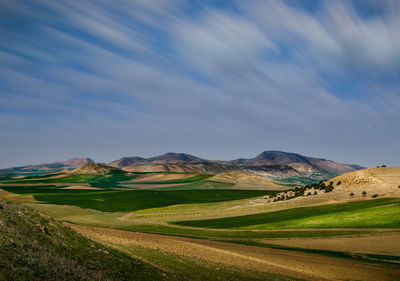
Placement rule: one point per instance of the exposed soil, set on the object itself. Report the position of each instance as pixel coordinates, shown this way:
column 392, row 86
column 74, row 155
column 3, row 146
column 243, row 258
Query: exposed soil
column 296, row 264
column 80, row 187
column 161, row 177
column 385, row 244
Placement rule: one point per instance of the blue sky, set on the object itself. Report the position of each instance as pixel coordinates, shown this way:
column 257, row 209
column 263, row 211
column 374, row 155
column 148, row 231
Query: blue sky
column 217, row 79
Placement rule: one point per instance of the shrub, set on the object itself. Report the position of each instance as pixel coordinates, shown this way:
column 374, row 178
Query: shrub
column 399, row 185
column 375, row 195
column 329, row 188
column 315, row 193
column 364, row 193
column 352, row 194
column 383, row 166
column 309, row 194
column 339, row 183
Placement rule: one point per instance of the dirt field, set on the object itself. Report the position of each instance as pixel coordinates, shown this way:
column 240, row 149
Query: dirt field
column 384, row 244
column 295, row 264
column 161, row 177
column 80, row 187
column 246, row 181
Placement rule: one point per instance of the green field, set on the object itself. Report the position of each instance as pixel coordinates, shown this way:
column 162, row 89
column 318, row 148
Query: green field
column 131, row 200
column 110, row 180
column 378, row 213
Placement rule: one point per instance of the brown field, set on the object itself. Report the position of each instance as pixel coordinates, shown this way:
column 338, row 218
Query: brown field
column 384, row 244
column 161, row 177
column 79, row 187
column 289, row 263
column 245, row 181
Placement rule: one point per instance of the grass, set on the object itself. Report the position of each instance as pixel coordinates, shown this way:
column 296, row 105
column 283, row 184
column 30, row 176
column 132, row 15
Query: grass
column 35, row 247
column 110, row 180
column 131, row 200
column 377, row 213
column 242, row 234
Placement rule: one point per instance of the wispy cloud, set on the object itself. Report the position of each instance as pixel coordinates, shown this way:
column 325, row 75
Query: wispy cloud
column 146, row 77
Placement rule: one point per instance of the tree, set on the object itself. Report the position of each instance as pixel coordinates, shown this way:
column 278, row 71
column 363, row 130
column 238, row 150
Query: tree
column 364, row 193
column 352, row 194
column 375, row 195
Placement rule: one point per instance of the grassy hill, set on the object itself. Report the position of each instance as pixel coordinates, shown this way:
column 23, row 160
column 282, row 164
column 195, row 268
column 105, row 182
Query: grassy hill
column 35, row 247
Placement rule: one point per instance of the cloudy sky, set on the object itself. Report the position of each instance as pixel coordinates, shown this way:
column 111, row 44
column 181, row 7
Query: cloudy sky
column 217, row 79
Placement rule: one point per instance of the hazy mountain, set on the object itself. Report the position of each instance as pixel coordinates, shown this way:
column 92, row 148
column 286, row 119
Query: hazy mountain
column 290, row 167
column 48, row 168
column 127, row 161
column 272, row 164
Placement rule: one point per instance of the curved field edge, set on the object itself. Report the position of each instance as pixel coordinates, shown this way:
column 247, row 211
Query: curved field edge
column 131, row 200
column 376, row 213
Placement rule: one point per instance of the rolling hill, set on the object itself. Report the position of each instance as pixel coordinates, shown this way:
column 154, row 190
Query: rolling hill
column 47, row 168
column 279, row 165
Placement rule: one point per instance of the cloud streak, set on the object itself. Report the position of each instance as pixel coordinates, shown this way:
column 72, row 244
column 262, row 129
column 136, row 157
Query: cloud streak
column 111, row 79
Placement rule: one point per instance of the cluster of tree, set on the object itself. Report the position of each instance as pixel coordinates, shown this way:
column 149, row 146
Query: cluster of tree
column 303, row 191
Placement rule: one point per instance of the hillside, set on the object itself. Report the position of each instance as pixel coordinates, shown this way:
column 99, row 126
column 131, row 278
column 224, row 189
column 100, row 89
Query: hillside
column 288, row 167
column 271, row 164
column 384, row 181
column 36, row 247
column 47, row 168
column 246, row 181
column 93, row 169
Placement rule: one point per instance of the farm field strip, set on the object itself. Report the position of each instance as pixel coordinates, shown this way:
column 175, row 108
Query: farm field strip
column 296, row 264
column 375, row 213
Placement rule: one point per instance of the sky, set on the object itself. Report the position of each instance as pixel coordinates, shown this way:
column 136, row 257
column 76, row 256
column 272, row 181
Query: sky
column 216, row 79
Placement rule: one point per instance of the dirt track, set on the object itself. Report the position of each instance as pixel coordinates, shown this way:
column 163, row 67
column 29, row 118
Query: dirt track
column 295, row 264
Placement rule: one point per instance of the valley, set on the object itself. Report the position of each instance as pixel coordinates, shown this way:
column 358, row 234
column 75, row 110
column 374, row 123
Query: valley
column 231, row 223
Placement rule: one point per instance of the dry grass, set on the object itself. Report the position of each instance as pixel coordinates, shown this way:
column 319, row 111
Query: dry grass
column 295, row 264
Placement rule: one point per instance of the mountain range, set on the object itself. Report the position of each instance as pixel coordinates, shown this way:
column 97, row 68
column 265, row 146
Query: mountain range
column 290, row 167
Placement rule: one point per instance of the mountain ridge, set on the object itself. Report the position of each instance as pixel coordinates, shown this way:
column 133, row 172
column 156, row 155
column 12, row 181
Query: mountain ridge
column 271, row 163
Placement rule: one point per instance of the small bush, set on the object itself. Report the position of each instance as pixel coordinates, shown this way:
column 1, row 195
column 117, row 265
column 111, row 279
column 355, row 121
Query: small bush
column 352, row 194
column 364, row 193
column 339, row 183
column 383, row 166
column 309, row 194
column 375, row 195
column 315, row 193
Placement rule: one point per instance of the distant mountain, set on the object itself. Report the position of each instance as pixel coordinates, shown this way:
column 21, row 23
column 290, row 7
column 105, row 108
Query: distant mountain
column 281, row 165
column 127, row 161
column 284, row 166
column 47, row 168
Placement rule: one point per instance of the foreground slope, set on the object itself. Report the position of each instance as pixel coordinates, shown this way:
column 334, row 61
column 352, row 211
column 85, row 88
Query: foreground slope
column 35, row 247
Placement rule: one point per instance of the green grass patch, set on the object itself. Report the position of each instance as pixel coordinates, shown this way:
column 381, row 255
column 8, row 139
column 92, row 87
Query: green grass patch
column 377, row 213
column 131, row 200
column 241, row 234
column 35, row 247
column 110, row 180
